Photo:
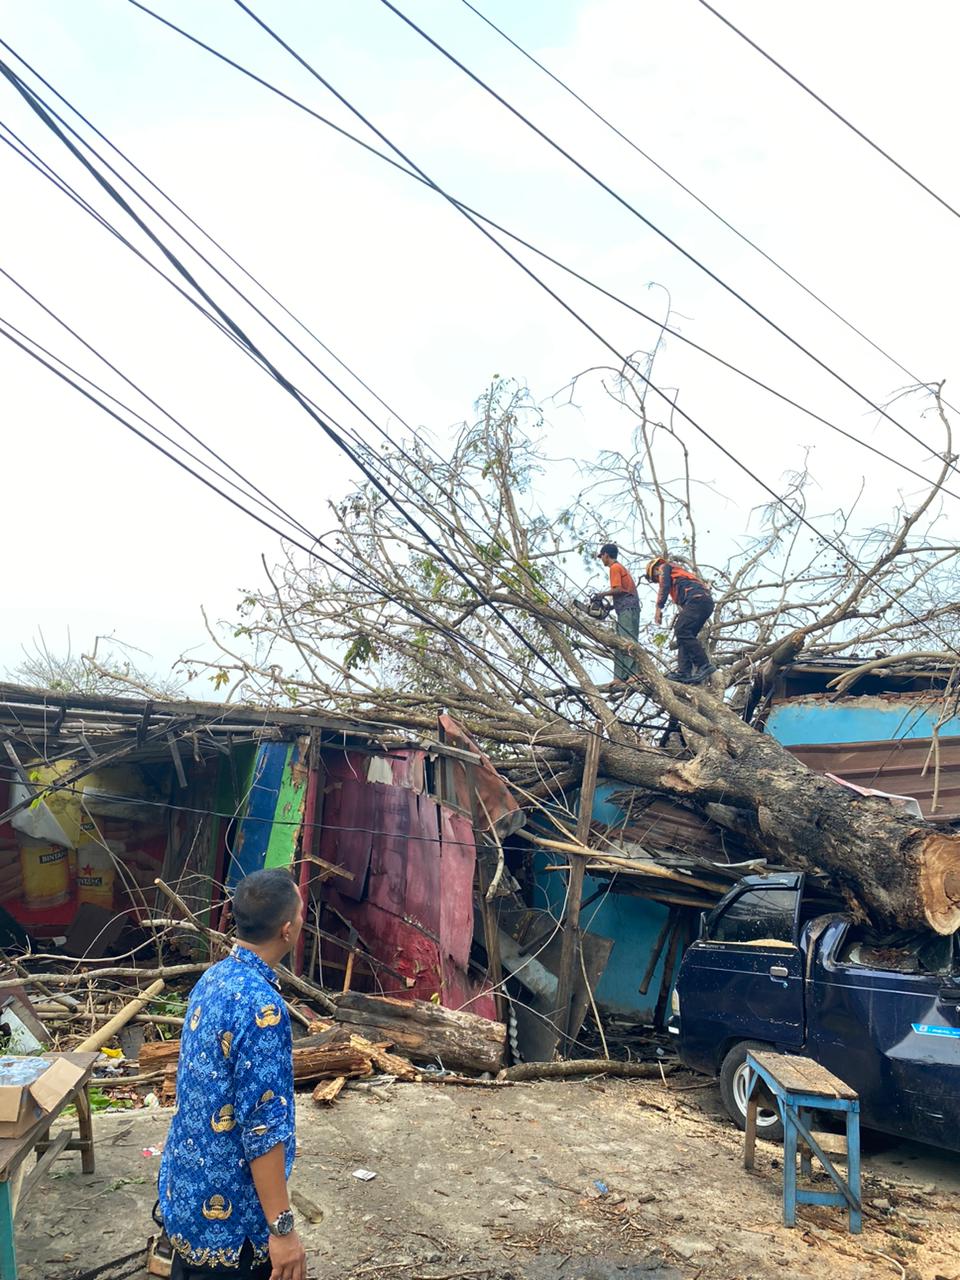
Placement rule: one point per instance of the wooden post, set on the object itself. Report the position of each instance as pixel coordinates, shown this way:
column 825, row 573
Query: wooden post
column 657, row 949
column 570, row 945
column 310, row 833
column 491, row 936
column 669, row 964
column 492, row 941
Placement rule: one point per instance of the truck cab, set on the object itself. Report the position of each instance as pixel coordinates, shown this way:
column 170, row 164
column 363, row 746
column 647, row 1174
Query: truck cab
column 778, row 966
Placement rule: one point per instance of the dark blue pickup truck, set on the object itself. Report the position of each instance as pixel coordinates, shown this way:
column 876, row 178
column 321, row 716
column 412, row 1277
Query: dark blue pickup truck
column 772, row 967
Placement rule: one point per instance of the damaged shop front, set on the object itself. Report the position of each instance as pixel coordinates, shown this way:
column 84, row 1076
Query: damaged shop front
column 398, row 845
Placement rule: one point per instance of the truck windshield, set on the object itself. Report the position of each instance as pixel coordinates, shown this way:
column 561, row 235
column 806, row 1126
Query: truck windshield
column 757, row 916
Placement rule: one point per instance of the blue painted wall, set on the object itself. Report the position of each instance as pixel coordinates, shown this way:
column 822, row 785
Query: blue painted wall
column 633, row 923
column 799, row 722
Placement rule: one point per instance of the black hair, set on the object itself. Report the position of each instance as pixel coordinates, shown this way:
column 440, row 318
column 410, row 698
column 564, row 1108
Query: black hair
column 609, row 549
column 263, row 902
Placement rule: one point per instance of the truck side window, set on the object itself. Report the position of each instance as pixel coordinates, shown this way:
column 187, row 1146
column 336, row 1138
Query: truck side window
column 759, row 915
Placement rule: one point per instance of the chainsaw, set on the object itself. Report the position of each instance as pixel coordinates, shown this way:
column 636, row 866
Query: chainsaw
column 595, row 606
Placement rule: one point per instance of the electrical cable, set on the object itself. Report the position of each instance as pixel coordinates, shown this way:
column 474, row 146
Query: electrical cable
column 116, row 196
column 621, row 200
column 207, row 236
column 36, row 106
column 833, row 111
column 262, row 500
column 168, row 251
column 65, row 189
column 207, row 262
column 410, row 173
column 261, row 521
column 558, row 80
column 626, row 361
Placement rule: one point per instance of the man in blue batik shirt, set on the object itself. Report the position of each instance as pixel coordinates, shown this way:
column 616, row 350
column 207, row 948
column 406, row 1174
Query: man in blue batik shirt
column 223, row 1177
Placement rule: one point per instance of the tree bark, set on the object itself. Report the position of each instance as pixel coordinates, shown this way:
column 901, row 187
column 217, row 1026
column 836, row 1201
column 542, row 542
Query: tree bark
column 421, row 1030
column 585, row 1067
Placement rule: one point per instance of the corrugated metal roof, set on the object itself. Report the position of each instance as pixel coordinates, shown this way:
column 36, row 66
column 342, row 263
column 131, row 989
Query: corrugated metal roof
column 905, row 766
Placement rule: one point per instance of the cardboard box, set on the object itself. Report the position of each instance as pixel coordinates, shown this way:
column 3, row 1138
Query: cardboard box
column 32, row 1087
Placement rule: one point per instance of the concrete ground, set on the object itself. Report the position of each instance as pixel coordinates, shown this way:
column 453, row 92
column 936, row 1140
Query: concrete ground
column 501, row 1183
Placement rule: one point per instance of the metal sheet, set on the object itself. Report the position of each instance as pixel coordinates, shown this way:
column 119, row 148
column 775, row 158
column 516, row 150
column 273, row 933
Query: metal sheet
column 906, row 766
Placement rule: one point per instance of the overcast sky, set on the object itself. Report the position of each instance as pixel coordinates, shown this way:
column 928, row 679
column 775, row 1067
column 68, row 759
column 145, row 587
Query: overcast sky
column 102, row 535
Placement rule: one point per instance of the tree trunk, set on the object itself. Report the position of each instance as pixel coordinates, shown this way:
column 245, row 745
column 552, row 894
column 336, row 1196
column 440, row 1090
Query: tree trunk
column 421, row 1030
column 905, row 873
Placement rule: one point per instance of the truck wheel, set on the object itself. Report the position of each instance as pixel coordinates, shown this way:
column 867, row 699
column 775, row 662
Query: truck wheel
column 733, row 1091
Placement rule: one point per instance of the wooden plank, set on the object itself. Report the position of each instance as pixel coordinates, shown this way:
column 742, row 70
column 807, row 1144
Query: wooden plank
column 669, row 965
column 570, row 945
column 658, row 946
column 177, row 761
column 802, row 1075
column 750, row 1146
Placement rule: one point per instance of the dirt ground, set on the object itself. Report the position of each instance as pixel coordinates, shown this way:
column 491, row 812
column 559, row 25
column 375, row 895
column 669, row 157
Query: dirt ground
column 501, row 1183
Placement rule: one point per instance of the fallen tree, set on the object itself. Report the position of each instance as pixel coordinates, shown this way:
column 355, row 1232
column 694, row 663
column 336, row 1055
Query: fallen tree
column 473, row 613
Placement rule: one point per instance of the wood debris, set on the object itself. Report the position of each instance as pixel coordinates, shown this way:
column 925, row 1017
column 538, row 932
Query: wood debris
column 328, row 1091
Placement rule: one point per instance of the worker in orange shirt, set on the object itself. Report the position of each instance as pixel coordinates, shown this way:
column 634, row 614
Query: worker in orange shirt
column 626, row 603
column 685, row 589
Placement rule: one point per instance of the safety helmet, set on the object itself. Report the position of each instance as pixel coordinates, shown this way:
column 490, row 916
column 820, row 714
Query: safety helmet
column 650, row 573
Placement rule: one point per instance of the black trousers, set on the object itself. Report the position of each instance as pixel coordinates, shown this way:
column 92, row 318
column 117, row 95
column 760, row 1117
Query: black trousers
column 247, row 1270
column 690, row 620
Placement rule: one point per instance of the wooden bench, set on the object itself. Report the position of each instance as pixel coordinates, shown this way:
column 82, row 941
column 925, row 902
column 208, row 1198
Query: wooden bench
column 14, row 1187
column 799, row 1087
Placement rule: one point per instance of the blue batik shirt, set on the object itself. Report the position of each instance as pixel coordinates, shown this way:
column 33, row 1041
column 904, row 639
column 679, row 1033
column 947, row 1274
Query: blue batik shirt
column 234, row 1103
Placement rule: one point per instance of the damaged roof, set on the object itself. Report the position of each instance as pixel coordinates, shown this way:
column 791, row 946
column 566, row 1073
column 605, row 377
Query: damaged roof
column 50, row 724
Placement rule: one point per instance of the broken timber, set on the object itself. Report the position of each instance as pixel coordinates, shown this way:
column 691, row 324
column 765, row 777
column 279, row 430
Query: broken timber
column 460, row 1041
column 570, row 946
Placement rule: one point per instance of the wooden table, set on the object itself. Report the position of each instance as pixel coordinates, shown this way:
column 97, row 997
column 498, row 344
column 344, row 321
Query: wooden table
column 800, row 1087
column 14, row 1187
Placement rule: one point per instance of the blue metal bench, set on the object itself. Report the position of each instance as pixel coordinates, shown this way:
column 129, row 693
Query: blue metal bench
column 799, row 1087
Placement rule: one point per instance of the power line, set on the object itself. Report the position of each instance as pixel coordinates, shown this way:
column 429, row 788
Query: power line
column 196, row 225
column 252, row 492
column 293, row 390
column 621, row 200
column 558, row 80
column 772, row 493
column 34, row 103
column 417, row 177
column 833, row 111
column 624, row 359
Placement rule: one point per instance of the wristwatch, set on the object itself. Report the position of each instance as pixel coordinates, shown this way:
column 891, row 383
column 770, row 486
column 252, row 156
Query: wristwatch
column 282, row 1225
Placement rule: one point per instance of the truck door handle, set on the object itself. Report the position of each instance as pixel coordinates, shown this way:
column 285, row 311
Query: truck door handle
column 779, row 971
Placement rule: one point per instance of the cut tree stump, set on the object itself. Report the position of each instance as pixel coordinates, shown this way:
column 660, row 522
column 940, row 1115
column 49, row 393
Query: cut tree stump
column 421, row 1030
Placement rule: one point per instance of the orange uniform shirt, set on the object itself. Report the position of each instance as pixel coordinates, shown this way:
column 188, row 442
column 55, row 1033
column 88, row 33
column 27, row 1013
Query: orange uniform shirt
column 623, row 587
